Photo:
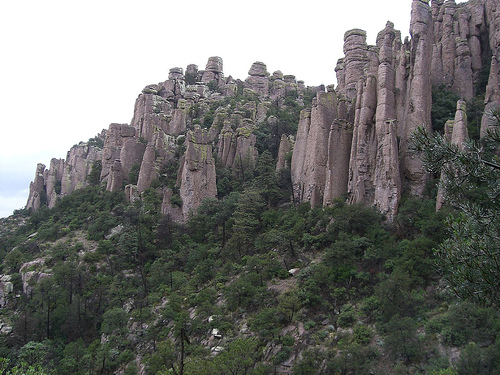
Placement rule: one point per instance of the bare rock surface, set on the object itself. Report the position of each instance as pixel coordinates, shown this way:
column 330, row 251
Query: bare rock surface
column 353, row 142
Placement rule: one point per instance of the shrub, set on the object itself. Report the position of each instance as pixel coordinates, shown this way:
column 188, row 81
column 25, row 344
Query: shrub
column 402, row 342
column 363, row 334
column 309, row 324
column 266, row 323
column 346, row 317
column 310, row 362
column 437, row 323
column 468, row 321
column 114, row 320
column 282, row 355
column 444, row 104
column 133, row 176
column 447, row 371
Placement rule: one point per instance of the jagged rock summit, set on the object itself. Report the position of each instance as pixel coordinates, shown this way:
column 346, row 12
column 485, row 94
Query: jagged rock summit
column 352, row 143
column 384, row 94
column 178, row 126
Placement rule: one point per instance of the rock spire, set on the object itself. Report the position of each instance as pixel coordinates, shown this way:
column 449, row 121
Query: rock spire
column 351, row 144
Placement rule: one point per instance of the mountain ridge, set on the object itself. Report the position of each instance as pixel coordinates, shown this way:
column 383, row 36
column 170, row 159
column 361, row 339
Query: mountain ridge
column 356, row 136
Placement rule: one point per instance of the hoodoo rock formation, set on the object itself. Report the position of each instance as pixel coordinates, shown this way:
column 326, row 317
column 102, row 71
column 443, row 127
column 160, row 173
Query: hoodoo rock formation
column 174, row 124
column 63, row 176
column 456, row 133
column 384, row 94
column 351, row 144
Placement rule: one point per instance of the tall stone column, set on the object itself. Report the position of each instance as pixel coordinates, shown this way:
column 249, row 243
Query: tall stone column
column 418, row 105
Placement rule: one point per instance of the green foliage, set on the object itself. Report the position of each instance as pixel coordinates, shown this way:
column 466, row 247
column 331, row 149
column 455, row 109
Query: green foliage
column 247, row 221
column 467, row 321
column 286, row 119
column 402, row 342
column 246, row 292
column 266, row 180
column 310, row 363
column 96, row 142
column 448, row 371
column 475, row 109
column 114, row 321
column 133, row 175
column 168, row 173
column 94, row 176
column 213, row 86
column 346, row 317
column 362, row 334
column 397, row 297
column 240, row 357
column 288, row 304
column 437, row 323
column 444, row 105
column 471, row 182
column 35, row 354
column 266, row 323
column 163, row 358
column 484, row 74
column 418, row 218
column 75, row 359
column 353, row 358
column 475, row 360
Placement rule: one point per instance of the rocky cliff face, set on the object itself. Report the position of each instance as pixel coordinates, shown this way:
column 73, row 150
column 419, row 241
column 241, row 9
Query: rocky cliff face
column 351, row 144
column 175, row 123
column 384, row 94
column 64, row 175
column 309, row 168
column 197, row 173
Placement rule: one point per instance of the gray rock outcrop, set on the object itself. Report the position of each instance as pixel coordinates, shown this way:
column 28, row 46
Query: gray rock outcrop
column 310, row 157
column 258, row 80
column 456, row 133
column 286, row 146
column 353, row 143
column 63, row 176
column 213, row 71
column 37, row 189
column 385, row 93
column 197, row 174
column 77, row 166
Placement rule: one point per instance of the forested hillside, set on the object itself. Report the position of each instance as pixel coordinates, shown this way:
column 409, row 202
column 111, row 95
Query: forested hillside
column 266, row 227
column 250, row 284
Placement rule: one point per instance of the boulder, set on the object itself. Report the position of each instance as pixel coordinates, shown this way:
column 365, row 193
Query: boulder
column 6, row 287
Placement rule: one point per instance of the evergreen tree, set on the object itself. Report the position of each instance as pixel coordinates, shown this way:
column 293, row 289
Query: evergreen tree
column 470, row 258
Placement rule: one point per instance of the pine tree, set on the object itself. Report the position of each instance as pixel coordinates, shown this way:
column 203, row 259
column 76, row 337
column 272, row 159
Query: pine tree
column 470, row 258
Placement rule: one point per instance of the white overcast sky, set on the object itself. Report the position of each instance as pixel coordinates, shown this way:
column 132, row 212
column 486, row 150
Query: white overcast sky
column 70, row 68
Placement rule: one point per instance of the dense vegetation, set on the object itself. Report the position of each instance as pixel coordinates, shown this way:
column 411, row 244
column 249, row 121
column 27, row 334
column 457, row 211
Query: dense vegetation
column 251, row 284
column 125, row 283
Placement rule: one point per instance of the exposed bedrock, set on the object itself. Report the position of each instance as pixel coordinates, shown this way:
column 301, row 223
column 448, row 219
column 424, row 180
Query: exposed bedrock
column 455, row 133
column 352, row 144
